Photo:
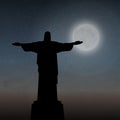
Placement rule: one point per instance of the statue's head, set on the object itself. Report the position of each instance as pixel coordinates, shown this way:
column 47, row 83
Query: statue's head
column 47, row 36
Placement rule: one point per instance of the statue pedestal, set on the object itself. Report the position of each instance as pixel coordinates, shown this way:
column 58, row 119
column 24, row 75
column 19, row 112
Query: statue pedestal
column 47, row 111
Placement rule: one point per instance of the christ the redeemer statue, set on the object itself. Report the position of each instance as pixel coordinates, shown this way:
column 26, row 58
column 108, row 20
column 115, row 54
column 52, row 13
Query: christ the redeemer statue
column 48, row 71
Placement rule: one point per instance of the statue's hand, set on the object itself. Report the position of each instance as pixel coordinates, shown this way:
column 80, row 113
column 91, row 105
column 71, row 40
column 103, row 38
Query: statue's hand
column 16, row 44
column 78, row 42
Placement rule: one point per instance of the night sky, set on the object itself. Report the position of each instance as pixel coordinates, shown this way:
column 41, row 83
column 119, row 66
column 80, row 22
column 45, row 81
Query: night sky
column 89, row 84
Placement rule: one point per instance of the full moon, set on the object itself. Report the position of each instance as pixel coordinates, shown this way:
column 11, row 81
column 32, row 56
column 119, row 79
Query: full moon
column 90, row 36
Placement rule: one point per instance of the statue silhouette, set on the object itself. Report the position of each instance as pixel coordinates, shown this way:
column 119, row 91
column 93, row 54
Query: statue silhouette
column 48, row 71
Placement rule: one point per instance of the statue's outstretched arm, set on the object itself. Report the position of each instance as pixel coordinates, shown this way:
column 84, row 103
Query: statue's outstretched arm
column 32, row 47
column 77, row 42
column 17, row 44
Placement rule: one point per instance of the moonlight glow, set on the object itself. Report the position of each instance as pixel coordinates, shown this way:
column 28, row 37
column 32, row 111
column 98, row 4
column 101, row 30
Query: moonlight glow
column 90, row 36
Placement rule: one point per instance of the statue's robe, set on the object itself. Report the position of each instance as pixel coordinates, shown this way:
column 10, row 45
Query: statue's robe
column 47, row 65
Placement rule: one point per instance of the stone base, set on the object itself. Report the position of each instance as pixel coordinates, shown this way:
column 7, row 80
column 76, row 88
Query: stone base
column 44, row 111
